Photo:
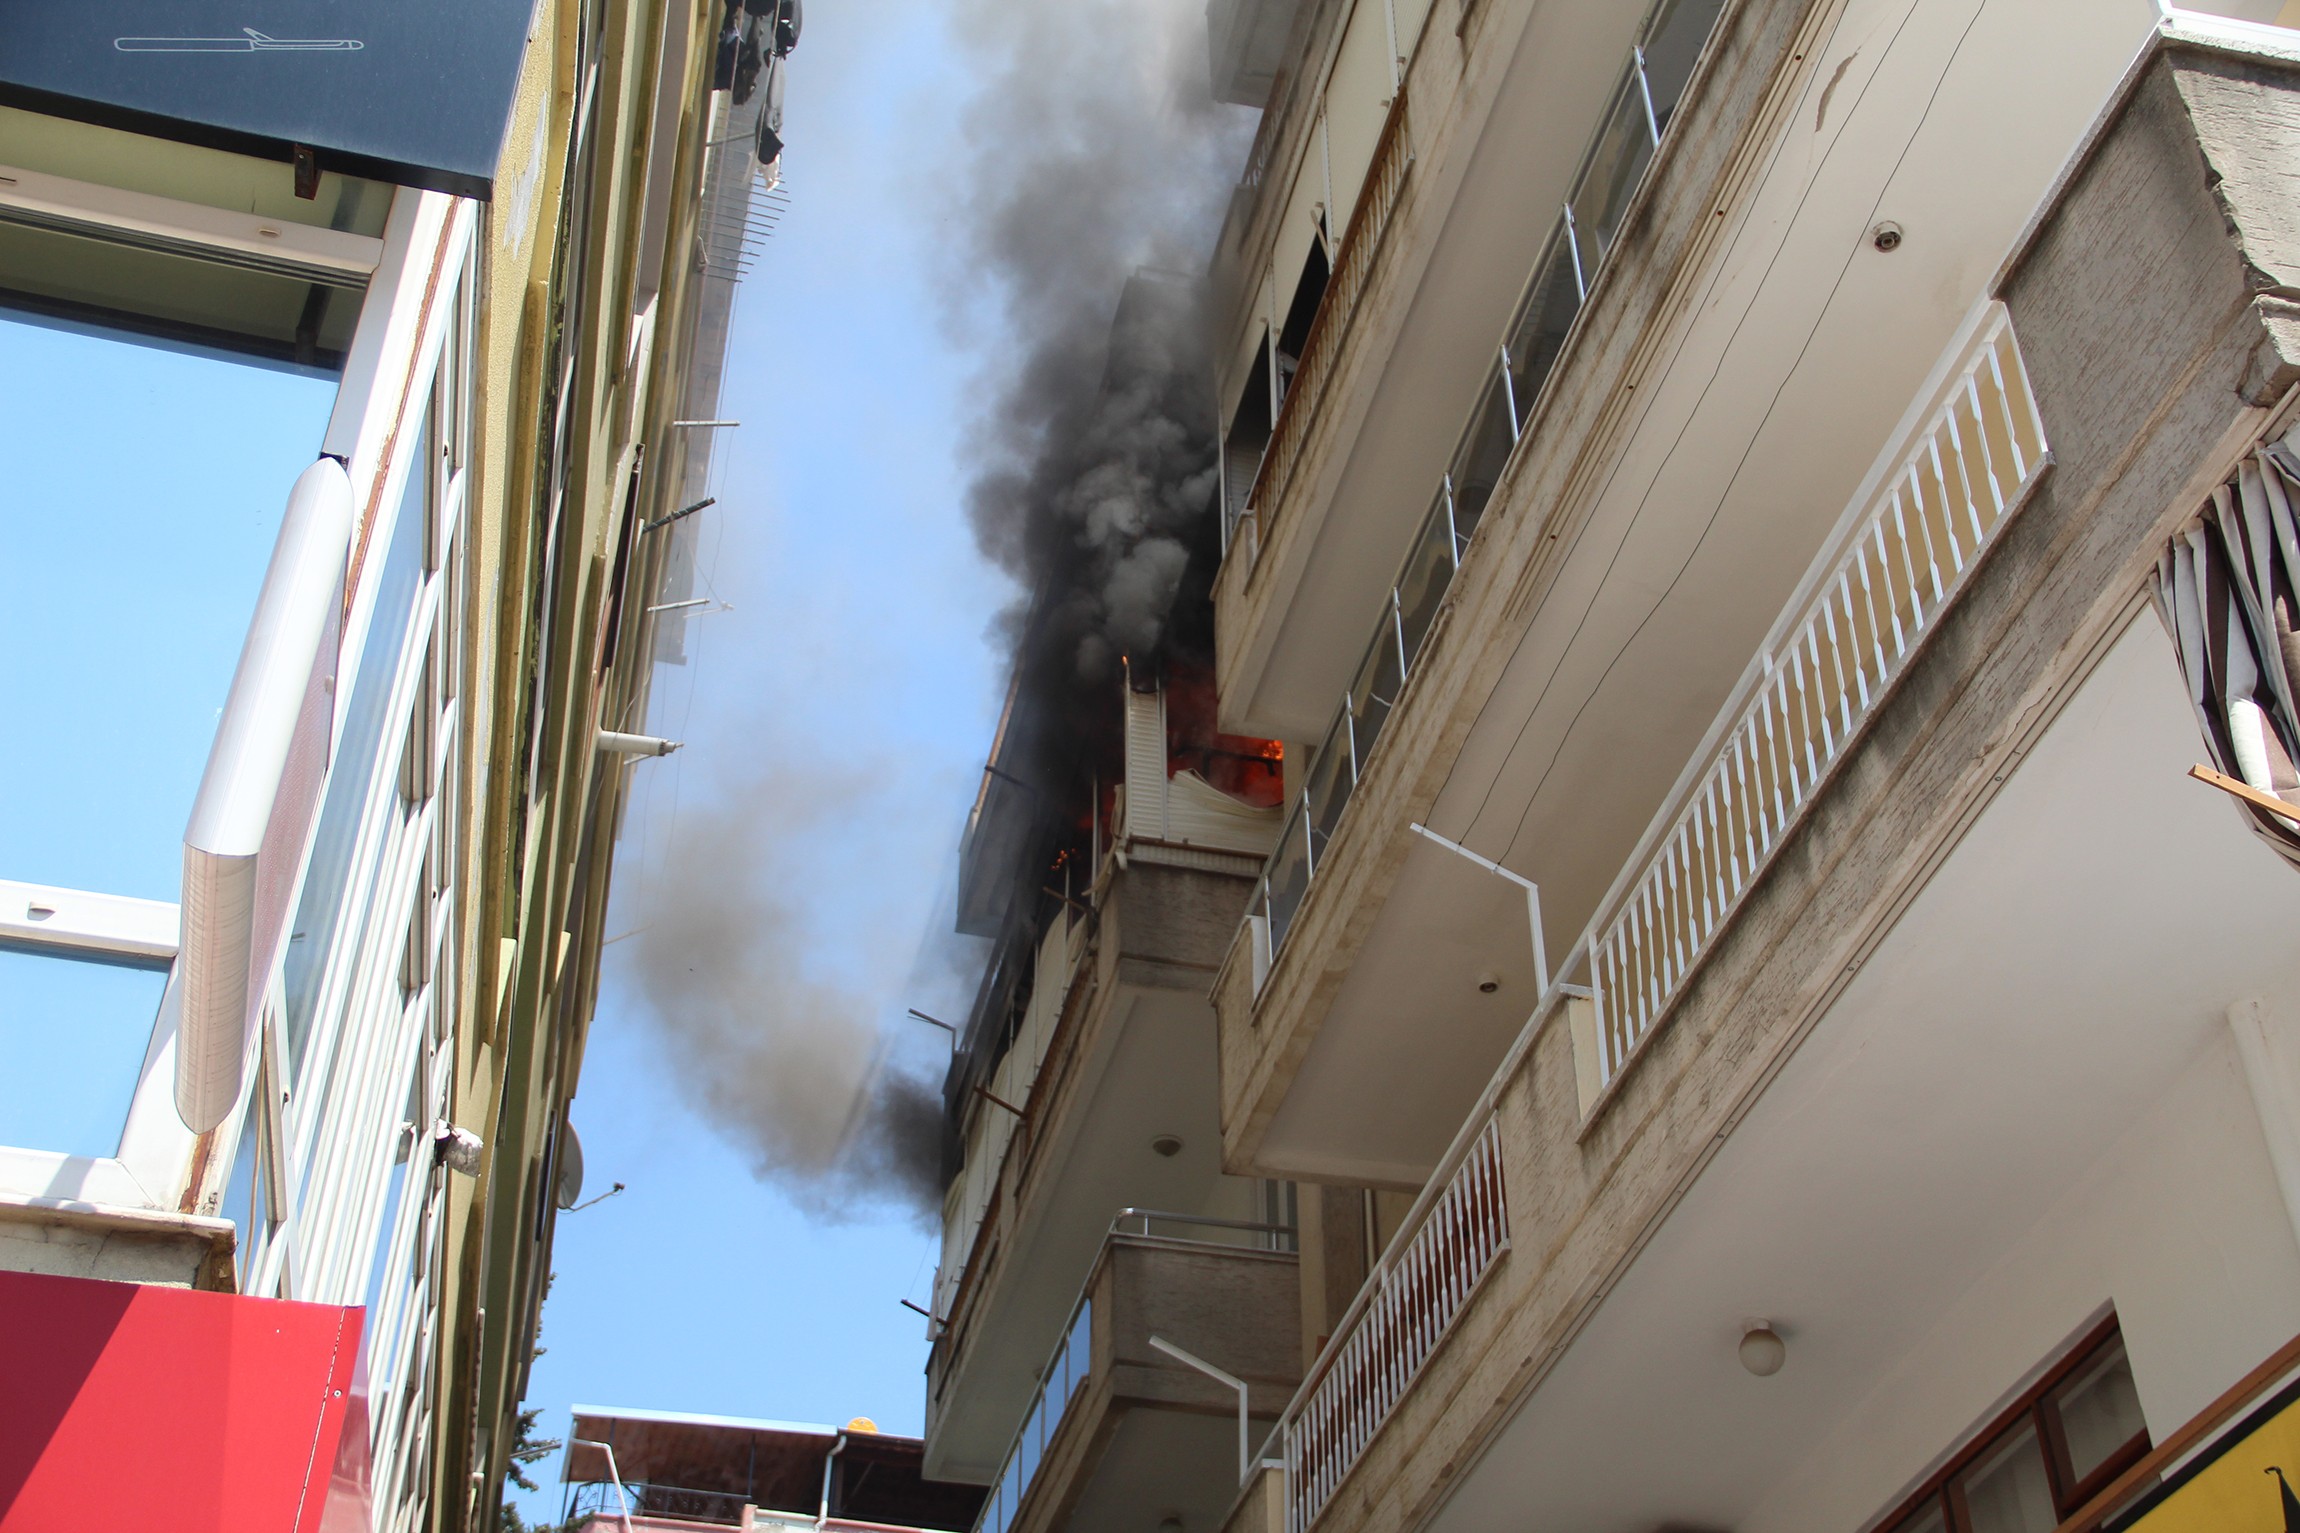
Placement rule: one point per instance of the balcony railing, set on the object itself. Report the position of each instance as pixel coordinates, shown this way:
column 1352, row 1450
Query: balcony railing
column 1353, row 267
column 1626, row 141
column 1070, row 1367
column 1401, row 1315
column 1900, row 562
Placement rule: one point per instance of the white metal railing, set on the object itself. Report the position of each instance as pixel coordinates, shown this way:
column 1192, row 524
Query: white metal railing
column 1900, row 558
column 1405, row 1309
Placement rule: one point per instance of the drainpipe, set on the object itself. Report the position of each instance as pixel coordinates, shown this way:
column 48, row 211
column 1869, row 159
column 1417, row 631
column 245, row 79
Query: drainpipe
column 830, row 1463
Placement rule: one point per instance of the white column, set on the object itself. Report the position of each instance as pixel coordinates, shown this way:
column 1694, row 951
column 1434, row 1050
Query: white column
column 2268, row 1042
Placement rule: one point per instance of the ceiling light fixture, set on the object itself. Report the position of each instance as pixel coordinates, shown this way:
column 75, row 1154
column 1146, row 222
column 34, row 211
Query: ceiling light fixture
column 1762, row 1349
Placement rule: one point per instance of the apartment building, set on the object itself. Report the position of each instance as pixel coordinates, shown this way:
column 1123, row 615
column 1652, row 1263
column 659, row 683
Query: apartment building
column 360, row 380
column 1744, row 529
column 1744, row 516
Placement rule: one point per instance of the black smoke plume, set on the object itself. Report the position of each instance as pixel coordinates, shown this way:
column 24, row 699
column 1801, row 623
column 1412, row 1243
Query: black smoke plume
column 1101, row 165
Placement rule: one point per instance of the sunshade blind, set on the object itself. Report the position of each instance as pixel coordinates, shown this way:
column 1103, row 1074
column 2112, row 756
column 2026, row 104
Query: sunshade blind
column 2228, row 589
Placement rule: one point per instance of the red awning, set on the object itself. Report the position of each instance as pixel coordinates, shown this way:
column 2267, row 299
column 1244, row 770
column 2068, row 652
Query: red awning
column 124, row 1405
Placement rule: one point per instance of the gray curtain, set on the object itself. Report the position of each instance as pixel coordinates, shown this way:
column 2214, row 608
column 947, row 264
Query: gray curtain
column 2228, row 589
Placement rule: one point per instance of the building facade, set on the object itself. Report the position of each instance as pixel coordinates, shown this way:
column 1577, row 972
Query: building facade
column 383, row 352
column 1743, row 516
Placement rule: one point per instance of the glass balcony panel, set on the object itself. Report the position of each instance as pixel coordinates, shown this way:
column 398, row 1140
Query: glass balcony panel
column 1375, row 690
column 1330, row 783
column 72, row 1040
column 1673, row 44
column 1289, row 876
column 1478, row 462
column 1617, row 160
column 1422, row 584
column 1539, row 334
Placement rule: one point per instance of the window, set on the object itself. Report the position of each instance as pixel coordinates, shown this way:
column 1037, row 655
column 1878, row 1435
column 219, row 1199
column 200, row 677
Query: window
column 2039, row 1463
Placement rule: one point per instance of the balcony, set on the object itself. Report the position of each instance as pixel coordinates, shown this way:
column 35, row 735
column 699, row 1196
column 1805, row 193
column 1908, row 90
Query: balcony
column 1908, row 1078
column 1437, row 245
column 1121, row 1432
column 1103, row 1099
column 1731, row 395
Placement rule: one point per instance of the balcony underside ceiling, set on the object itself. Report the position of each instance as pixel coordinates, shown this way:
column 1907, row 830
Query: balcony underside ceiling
column 2024, row 1108
column 1765, row 414
column 1411, row 1039
column 1161, row 1464
column 1148, row 1071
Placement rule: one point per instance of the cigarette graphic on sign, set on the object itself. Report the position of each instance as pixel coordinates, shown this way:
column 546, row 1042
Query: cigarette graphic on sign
column 250, row 41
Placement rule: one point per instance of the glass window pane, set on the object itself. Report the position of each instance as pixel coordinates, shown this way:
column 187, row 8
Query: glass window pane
column 2007, row 1492
column 132, row 570
column 323, row 909
column 1931, row 1519
column 72, row 1041
column 2100, row 1411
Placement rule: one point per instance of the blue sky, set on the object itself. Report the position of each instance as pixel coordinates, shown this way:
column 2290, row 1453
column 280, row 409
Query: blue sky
column 858, row 642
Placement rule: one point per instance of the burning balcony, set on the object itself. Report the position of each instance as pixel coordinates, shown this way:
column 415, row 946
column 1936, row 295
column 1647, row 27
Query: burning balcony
column 1088, row 1082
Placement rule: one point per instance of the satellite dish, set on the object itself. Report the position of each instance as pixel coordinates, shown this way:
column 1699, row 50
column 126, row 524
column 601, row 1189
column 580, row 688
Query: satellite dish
column 567, row 1190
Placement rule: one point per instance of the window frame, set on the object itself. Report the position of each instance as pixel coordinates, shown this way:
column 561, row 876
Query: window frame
column 2036, row 1408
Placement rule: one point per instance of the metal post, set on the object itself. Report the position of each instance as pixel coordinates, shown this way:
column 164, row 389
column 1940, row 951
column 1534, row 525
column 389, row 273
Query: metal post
column 1645, row 89
column 1573, row 245
column 613, row 1473
column 1452, row 533
column 1245, row 1450
column 1398, row 628
column 1350, row 728
column 1509, row 392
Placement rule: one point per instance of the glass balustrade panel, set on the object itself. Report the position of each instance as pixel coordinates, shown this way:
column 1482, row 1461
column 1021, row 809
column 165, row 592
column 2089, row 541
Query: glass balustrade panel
column 1673, row 43
column 1289, row 876
column 1422, row 584
column 1479, row 460
column 1617, row 161
column 1375, row 689
column 1331, row 780
column 1539, row 334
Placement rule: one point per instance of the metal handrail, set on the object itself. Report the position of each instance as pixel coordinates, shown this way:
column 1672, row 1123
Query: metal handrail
column 1148, row 1214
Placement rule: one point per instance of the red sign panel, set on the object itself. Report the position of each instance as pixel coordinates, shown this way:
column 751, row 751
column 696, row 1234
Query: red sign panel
column 124, row 1405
